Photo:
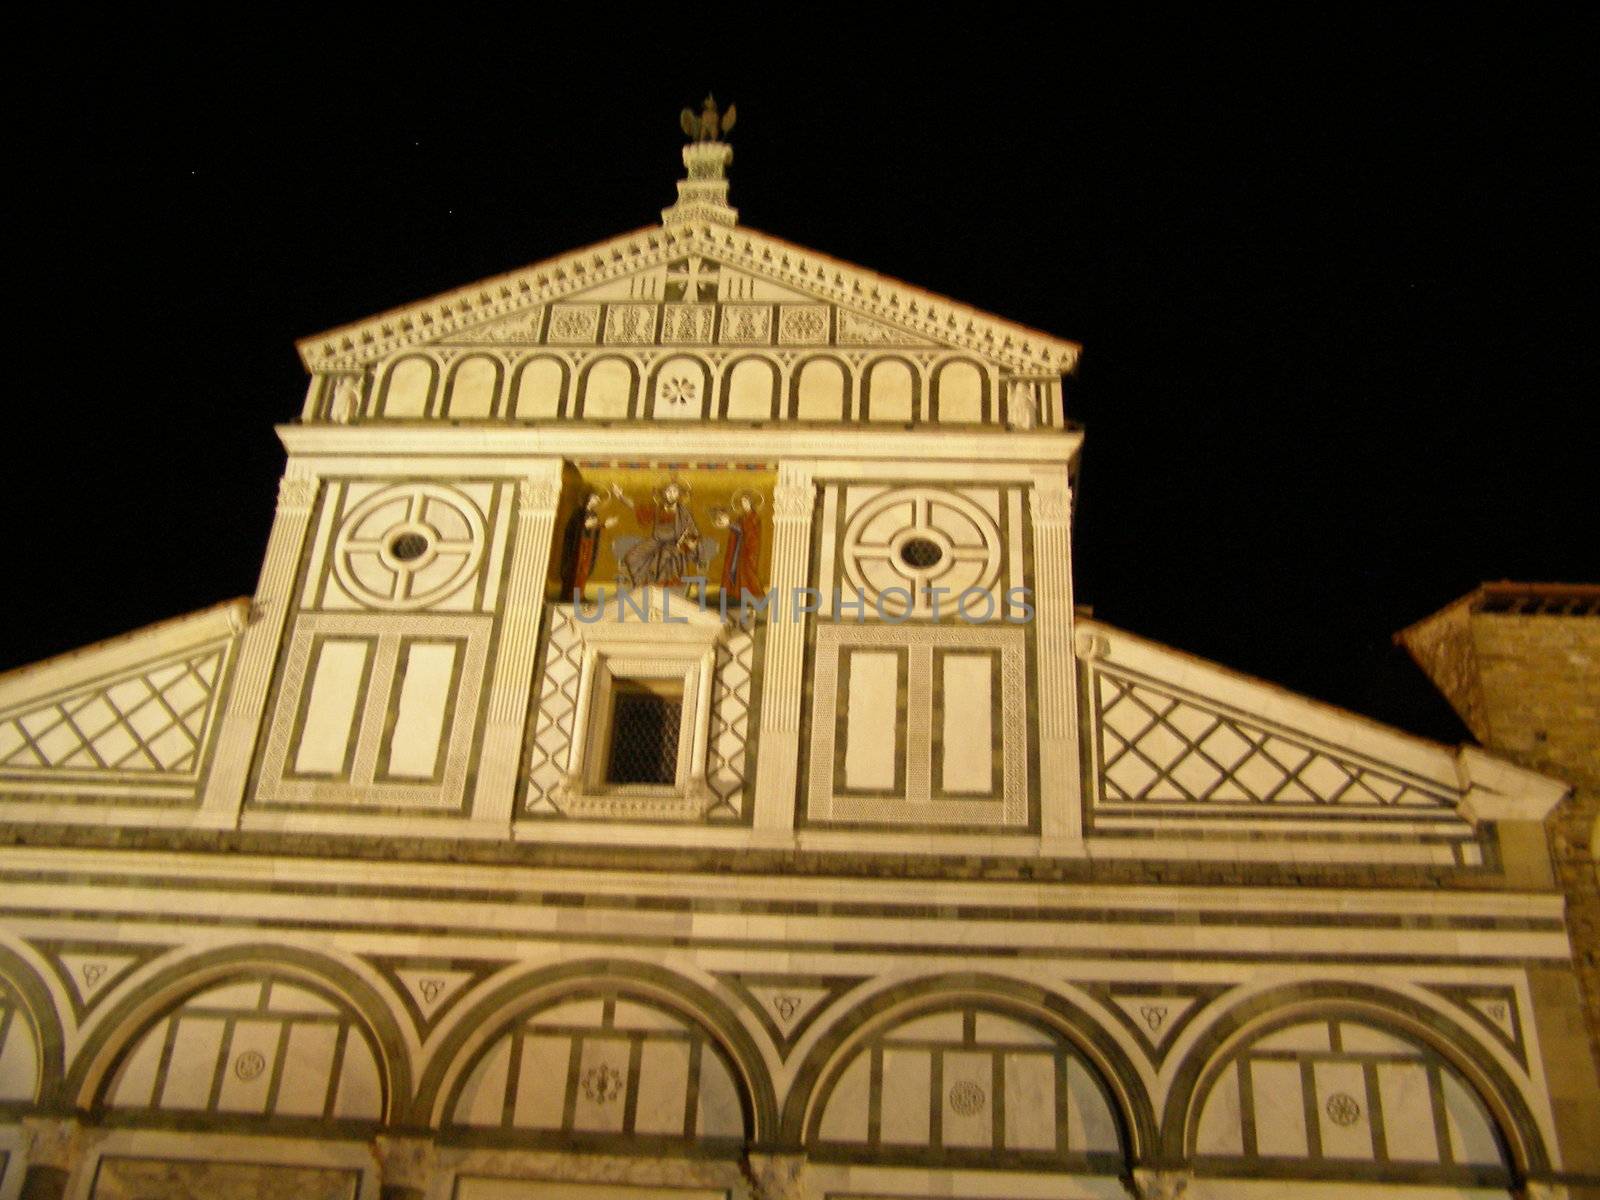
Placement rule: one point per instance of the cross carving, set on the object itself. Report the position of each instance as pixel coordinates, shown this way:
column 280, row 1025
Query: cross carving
column 685, row 279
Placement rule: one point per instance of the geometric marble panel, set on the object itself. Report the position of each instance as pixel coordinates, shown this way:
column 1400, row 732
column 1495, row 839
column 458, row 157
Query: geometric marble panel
column 121, row 1178
column 150, row 720
column 1332, row 1091
column 601, row 1063
column 788, row 1005
column 963, row 1080
column 1159, row 747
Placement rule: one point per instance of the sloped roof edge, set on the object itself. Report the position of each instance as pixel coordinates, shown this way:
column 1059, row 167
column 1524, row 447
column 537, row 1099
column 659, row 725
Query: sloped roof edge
column 347, row 347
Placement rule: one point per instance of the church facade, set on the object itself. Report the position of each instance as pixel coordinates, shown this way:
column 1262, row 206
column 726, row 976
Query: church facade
column 662, row 759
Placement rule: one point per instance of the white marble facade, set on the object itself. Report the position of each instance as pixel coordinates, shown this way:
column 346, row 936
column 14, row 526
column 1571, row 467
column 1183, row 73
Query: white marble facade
column 928, row 886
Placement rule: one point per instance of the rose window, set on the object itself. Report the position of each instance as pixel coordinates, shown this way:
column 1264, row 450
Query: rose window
column 905, row 541
column 409, row 546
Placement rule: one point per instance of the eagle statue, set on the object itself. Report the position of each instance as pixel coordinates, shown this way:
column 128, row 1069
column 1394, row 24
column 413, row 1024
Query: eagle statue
column 706, row 125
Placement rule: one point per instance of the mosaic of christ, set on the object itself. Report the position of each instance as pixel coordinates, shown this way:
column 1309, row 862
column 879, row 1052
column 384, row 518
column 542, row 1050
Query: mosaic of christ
column 633, row 528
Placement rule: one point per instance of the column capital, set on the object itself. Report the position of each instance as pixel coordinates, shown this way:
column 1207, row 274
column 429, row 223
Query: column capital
column 404, row 1162
column 55, row 1142
column 776, row 1176
column 1051, row 503
column 535, row 495
column 794, row 497
column 297, row 490
column 1159, row 1184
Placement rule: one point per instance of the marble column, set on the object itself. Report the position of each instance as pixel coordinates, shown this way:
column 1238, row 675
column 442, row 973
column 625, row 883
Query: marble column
column 258, row 650
column 1060, row 792
column 495, row 799
column 54, row 1149
column 778, row 746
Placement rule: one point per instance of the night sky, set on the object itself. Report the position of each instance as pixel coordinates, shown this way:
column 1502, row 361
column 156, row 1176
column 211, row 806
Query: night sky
column 1334, row 278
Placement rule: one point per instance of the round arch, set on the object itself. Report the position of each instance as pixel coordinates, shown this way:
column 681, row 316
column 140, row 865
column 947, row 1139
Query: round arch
column 1006, row 998
column 31, row 1001
column 409, row 388
column 891, row 389
column 177, row 983
column 608, row 389
column 749, row 388
column 679, row 388
column 473, row 387
column 538, row 389
column 478, row 1029
column 1280, row 1008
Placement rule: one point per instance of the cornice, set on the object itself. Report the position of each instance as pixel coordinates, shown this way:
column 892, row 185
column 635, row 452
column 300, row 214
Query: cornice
column 656, row 441
column 921, row 312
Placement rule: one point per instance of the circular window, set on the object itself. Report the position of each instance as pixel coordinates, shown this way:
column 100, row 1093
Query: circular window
column 920, row 553
column 408, row 547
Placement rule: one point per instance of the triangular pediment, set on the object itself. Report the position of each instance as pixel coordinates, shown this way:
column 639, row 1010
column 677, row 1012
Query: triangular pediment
column 1174, row 735
column 701, row 285
column 131, row 711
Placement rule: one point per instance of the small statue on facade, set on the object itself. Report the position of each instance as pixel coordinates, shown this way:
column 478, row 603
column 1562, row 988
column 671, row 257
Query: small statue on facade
column 707, row 126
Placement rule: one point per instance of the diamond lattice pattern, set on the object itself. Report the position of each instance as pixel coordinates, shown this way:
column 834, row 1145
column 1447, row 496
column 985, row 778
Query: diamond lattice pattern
column 558, row 703
column 730, row 722
column 1159, row 747
column 151, row 721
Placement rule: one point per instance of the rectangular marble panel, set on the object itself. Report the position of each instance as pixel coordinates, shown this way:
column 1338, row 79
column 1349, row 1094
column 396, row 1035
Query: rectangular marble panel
column 419, row 716
column 1342, row 1117
column 870, row 743
column 967, row 1100
column 306, row 1067
column 968, row 732
column 904, row 1115
column 1408, row 1128
column 141, row 1178
column 247, row 1077
column 1030, row 1102
column 1280, row 1109
column 195, row 1048
column 663, row 1087
column 602, row 1082
column 330, row 715
column 541, row 1082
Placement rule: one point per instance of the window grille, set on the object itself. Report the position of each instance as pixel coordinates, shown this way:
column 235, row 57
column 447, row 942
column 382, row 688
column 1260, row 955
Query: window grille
column 645, row 721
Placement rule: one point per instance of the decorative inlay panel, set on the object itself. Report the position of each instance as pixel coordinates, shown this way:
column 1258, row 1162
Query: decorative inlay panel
column 409, row 546
column 574, row 324
column 898, row 543
column 1159, row 746
column 914, row 735
column 146, row 723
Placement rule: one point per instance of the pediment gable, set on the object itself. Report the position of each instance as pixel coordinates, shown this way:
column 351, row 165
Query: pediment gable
column 130, row 714
column 1172, row 732
column 1179, row 747
column 702, row 285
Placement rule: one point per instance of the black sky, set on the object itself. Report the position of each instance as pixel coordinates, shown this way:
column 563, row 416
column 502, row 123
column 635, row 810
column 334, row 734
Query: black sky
column 1334, row 276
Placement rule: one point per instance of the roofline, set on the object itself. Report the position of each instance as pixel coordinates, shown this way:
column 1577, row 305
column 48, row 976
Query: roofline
column 1493, row 787
column 230, row 615
column 552, row 278
column 1504, row 587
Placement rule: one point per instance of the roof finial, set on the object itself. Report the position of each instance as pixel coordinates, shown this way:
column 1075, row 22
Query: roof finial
column 703, row 193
